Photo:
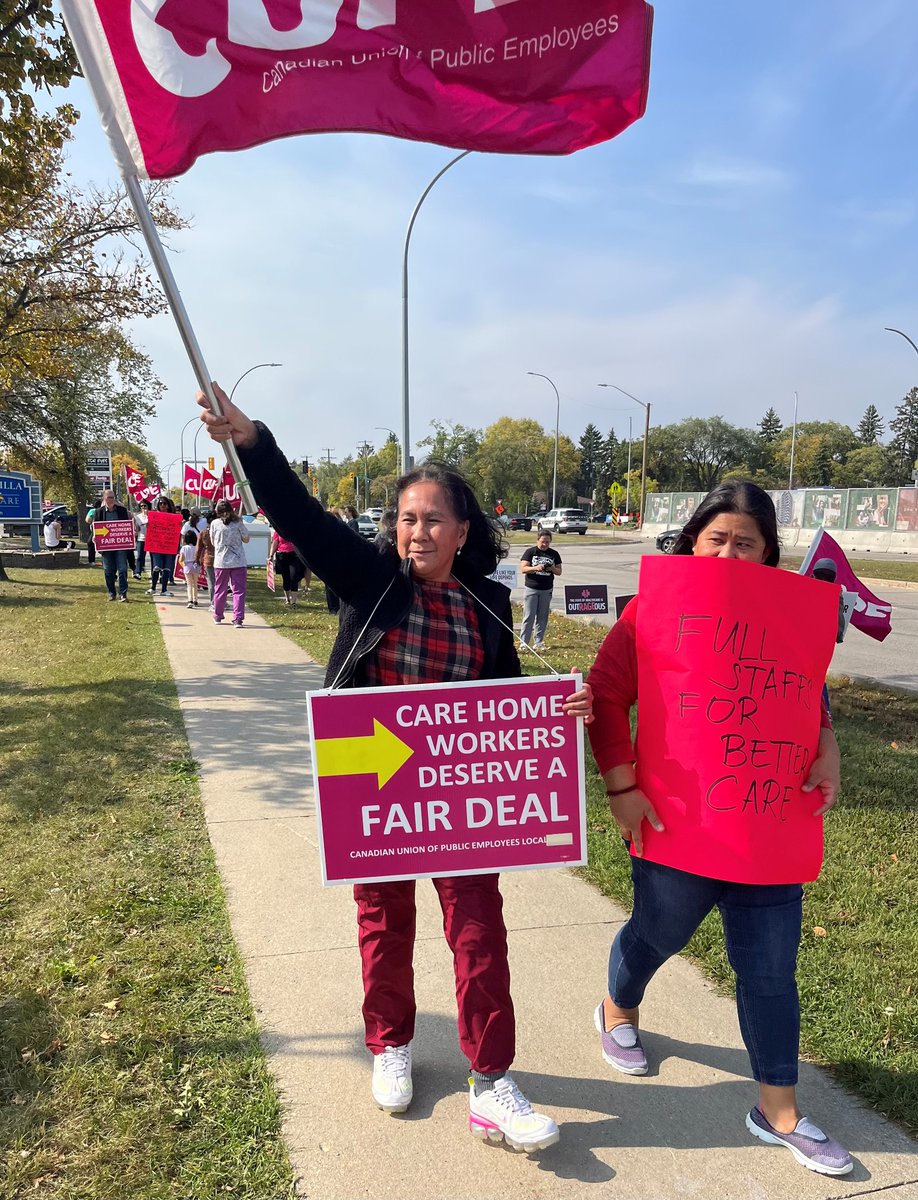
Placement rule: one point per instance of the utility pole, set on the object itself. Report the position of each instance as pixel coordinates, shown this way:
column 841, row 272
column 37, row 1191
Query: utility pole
column 365, row 448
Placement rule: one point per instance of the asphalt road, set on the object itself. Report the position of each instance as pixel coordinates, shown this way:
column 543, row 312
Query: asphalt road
column 893, row 662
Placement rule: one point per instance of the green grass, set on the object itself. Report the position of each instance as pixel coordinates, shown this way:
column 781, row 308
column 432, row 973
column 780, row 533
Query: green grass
column 129, row 1057
column 858, row 971
column 870, row 568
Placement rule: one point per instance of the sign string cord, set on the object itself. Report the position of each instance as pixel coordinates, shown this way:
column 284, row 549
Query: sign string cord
column 509, row 628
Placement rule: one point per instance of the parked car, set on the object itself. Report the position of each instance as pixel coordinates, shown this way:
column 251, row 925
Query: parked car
column 667, row 541
column 367, row 527
column 517, row 521
column 375, row 514
column 564, row 520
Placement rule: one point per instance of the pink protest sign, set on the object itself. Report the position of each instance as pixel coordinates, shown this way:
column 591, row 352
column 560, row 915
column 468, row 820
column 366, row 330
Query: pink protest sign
column 173, row 81
column 164, row 532
column 113, row 535
column 448, row 779
column 270, row 579
column 732, row 657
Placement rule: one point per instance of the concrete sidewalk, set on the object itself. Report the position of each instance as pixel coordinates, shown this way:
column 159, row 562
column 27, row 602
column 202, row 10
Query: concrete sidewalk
column 677, row 1132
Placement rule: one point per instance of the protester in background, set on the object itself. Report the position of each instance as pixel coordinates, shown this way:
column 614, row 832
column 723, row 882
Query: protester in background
column 140, row 533
column 291, row 567
column 114, row 562
column 190, row 567
column 539, row 564
column 204, row 552
column 423, row 612
column 90, row 540
column 761, row 921
column 350, row 518
column 161, row 564
column 52, row 535
column 229, row 535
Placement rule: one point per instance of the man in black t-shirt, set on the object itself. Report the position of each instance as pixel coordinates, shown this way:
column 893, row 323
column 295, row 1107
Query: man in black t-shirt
column 539, row 564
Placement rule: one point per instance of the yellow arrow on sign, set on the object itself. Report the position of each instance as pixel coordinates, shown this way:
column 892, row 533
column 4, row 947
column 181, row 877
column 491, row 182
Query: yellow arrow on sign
column 381, row 754
column 102, row 531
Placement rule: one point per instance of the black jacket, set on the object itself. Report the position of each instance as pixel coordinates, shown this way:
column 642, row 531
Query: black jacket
column 374, row 584
column 117, row 513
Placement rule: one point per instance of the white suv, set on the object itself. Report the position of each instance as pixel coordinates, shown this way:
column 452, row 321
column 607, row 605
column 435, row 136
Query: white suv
column 564, row 520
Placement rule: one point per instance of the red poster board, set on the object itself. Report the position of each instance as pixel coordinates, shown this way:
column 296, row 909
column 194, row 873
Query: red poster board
column 113, row 535
column 732, row 657
column 447, row 779
column 164, row 532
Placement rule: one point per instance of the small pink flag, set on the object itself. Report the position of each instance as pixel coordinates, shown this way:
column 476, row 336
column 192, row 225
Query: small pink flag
column 871, row 615
column 192, row 481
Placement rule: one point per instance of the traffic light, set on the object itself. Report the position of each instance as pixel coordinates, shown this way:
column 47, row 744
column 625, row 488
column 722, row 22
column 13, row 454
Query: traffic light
column 210, row 464
column 305, row 466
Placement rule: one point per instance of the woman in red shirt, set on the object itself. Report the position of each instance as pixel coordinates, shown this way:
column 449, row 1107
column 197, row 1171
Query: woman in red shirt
column 761, row 921
column 291, row 567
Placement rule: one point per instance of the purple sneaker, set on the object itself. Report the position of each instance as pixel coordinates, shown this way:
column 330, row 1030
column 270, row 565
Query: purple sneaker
column 808, row 1144
column 621, row 1046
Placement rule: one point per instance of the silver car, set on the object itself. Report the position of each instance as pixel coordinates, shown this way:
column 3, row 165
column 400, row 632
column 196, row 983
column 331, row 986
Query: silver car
column 564, row 520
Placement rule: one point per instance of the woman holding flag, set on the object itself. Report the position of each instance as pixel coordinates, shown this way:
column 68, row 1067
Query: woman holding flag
column 762, row 921
column 419, row 611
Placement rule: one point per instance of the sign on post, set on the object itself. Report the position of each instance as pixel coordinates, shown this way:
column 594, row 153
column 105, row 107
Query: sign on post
column 589, row 599
column 99, row 468
column 113, row 535
column 447, row 779
column 15, row 496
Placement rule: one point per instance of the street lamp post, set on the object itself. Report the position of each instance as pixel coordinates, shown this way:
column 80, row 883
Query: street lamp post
column 406, row 433
column 190, row 421
column 554, row 478
column 646, row 408
column 901, row 334
column 793, row 448
column 249, row 372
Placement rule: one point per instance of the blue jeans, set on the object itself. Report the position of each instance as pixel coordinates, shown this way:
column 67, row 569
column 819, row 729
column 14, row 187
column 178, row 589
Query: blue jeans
column 161, row 566
column 115, row 562
column 141, row 557
column 762, row 929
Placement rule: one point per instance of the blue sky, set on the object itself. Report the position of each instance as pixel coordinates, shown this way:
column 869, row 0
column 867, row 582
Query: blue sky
column 751, row 235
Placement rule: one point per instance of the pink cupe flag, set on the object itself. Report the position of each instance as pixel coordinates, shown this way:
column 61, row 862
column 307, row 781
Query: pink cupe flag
column 209, row 485
column 871, row 615
column 174, row 81
column 192, row 483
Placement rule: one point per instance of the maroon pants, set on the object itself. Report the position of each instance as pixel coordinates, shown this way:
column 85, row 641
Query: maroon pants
column 474, row 927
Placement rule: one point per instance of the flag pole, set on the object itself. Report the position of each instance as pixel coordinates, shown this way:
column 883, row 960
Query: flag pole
column 186, row 332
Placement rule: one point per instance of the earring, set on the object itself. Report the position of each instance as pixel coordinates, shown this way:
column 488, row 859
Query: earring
column 459, row 550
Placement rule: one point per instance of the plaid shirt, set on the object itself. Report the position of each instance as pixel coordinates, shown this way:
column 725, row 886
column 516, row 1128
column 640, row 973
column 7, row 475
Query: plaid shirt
column 437, row 642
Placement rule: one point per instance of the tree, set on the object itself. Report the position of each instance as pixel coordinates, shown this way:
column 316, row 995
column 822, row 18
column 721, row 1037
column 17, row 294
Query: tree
column 590, row 449
column 904, row 428
column 709, row 447
column 68, row 271
column 133, row 454
column 606, row 469
column 510, row 463
column 36, row 56
column 867, row 466
column 871, row 427
column 451, row 443
column 107, row 394
column 819, row 445
column 770, row 426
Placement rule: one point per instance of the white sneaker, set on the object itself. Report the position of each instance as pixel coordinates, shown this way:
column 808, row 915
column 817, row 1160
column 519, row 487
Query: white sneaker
column 504, row 1112
column 392, row 1086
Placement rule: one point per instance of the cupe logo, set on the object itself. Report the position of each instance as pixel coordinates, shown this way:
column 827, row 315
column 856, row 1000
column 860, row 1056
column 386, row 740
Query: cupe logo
column 248, row 24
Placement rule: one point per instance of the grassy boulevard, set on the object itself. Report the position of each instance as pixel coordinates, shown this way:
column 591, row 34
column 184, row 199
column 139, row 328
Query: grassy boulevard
column 859, row 955
column 130, row 1058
